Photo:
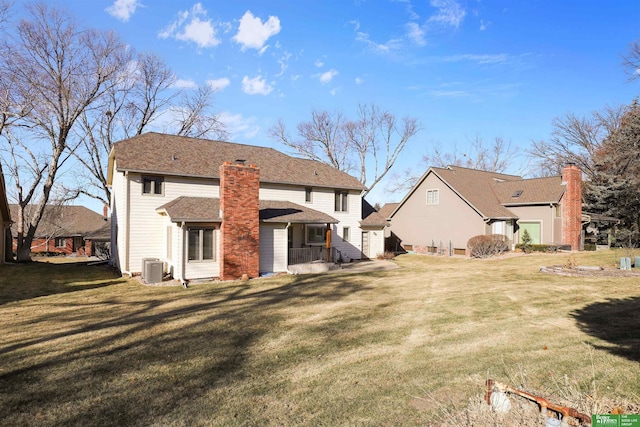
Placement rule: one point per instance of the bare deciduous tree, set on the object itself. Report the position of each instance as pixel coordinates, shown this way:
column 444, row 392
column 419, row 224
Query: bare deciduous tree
column 370, row 144
column 495, row 157
column 631, row 61
column 193, row 116
column 575, row 140
column 60, row 71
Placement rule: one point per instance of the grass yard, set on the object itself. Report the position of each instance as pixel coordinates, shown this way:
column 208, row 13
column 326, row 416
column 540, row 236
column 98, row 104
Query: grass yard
column 413, row 346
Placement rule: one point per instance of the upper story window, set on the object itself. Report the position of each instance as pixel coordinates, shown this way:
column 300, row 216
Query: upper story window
column 152, row 185
column 341, row 202
column 308, row 195
column 432, row 197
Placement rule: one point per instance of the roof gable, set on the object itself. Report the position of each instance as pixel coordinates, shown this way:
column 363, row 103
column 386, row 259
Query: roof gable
column 156, row 153
column 490, row 193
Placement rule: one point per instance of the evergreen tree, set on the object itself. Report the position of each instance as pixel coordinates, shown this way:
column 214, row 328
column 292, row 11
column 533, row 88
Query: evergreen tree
column 615, row 187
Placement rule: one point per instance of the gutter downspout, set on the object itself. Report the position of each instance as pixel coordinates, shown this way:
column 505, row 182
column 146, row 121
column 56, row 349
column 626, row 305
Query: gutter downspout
column 183, row 263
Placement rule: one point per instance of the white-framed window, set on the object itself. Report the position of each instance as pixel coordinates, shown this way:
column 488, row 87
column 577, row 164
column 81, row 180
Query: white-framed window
column 316, row 235
column 61, row 242
column 341, row 201
column 201, row 244
column 345, row 234
column 308, row 195
column 432, row 196
column 152, row 185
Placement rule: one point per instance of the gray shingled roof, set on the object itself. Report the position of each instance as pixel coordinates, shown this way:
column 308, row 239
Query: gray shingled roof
column 62, row 221
column 490, row 193
column 387, row 209
column 371, row 217
column 157, row 153
column 532, row 191
column 204, row 209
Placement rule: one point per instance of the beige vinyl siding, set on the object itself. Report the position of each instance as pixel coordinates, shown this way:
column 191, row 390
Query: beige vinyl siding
column 119, row 217
column 192, row 187
column 273, row 248
column 452, row 219
column 146, row 230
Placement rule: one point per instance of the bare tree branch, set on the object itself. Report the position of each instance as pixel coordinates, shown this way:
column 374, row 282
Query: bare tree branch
column 370, row 145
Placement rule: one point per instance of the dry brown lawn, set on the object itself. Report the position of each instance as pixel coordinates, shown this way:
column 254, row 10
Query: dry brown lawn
column 413, row 346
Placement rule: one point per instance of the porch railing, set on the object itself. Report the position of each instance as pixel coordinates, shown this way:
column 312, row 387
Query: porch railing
column 311, row 254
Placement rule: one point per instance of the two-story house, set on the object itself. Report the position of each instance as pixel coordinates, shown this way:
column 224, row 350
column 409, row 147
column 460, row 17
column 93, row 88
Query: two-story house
column 448, row 206
column 211, row 209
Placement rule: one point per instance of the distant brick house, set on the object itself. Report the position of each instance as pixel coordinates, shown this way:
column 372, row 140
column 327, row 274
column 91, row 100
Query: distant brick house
column 213, row 209
column 448, row 206
column 63, row 230
column 5, row 222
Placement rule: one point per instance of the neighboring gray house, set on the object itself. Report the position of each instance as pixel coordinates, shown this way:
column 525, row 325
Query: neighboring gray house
column 5, row 223
column 448, row 206
column 210, row 209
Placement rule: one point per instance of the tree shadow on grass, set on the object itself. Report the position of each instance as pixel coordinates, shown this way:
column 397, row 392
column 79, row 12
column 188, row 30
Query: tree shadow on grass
column 616, row 321
column 32, row 280
column 179, row 358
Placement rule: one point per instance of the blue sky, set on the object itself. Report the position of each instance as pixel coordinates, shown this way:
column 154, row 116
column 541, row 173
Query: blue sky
column 465, row 69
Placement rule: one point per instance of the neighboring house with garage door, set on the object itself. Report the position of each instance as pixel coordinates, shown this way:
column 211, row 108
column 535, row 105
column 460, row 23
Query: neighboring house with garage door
column 448, row 206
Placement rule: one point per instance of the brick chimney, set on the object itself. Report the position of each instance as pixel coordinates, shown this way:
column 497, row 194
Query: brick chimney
column 572, row 206
column 239, row 210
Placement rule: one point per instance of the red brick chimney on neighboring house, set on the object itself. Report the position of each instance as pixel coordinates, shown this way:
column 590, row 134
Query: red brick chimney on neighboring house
column 572, row 206
column 239, row 210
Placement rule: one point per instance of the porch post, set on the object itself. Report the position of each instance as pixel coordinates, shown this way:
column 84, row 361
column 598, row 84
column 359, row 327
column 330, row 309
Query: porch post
column 328, row 242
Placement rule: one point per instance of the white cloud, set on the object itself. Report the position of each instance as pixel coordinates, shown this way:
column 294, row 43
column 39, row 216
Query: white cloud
column 484, row 24
column 388, row 47
column 252, row 33
column 449, row 13
column 327, row 76
column 415, row 33
column 219, row 84
column 284, row 63
column 480, row 59
column 185, row 84
column 123, row 9
column 192, row 26
column 238, row 126
column 256, row 86
column 318, row 63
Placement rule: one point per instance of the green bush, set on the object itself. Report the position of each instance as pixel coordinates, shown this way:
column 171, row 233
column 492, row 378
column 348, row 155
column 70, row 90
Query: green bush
column 484, row 246
column 526, row 248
